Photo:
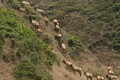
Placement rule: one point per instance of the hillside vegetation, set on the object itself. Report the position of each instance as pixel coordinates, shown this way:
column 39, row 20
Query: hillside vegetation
column 97, row 17
column 20, row 45
column 90, row 30
column 96, row 22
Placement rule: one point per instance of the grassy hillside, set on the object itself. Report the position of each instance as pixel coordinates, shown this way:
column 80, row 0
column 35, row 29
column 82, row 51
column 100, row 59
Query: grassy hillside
column 19, row 44
column 90, row 29
column 95, row 22
column 97, row 18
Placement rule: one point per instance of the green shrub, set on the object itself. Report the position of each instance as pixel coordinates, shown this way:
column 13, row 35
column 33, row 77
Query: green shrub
column 34, row 57
column 75, row 46
column 25, row 69
column 116, row 40
column 5, row 58
column 13, row 57
column 18, row 55
column 26, row 43
column 29, row 10
column 74, row 41
column 43, row 76
column 116, row 45
column 16, row 5
column 102, row 5
column 47, row 39
column 116, row 7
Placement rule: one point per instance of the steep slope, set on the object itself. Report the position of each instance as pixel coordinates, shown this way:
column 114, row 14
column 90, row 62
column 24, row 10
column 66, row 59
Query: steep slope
column 22, row 53
column 60, row 72
column 96, row 22
column 79, row 20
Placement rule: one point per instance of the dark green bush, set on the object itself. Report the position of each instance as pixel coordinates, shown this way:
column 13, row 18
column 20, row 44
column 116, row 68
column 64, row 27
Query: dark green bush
column 5, row 58
column 75, row 46
column 34, row 57
column 16, row 4
column 47, row 39
column 43, row 76
column 25, row 43
column 18, row 55
column 116, row 7
column 25, row 69
column 74, row 41
column 13, row 57
column 116, row 41
column 29, row 10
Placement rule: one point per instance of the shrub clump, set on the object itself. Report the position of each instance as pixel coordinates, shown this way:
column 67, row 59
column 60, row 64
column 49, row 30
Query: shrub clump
column 23, row 42
column 116, row 41
column 75, row 46
column 25, row 69
column 47, row 39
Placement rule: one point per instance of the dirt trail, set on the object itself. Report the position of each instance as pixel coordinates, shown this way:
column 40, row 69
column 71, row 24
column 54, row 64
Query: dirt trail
column 5, row 71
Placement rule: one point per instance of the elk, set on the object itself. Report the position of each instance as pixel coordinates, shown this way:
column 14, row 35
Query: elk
column 77, row 69
column 68, row 64
column 64, row 47
column 111, row 77
column 99, row 77
column 57, row 28
column 88, row 75
column 25, row 3
column 55, row 21
column 58, row 37
column 21, row 9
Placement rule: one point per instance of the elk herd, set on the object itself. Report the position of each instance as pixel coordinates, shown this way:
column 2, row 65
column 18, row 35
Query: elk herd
column 59, row 35
column 89, row 76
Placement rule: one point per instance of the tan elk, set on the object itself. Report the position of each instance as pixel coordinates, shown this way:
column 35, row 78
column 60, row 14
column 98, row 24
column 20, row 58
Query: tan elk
column 88, row 75
column 77, row 69
column 64, row 47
